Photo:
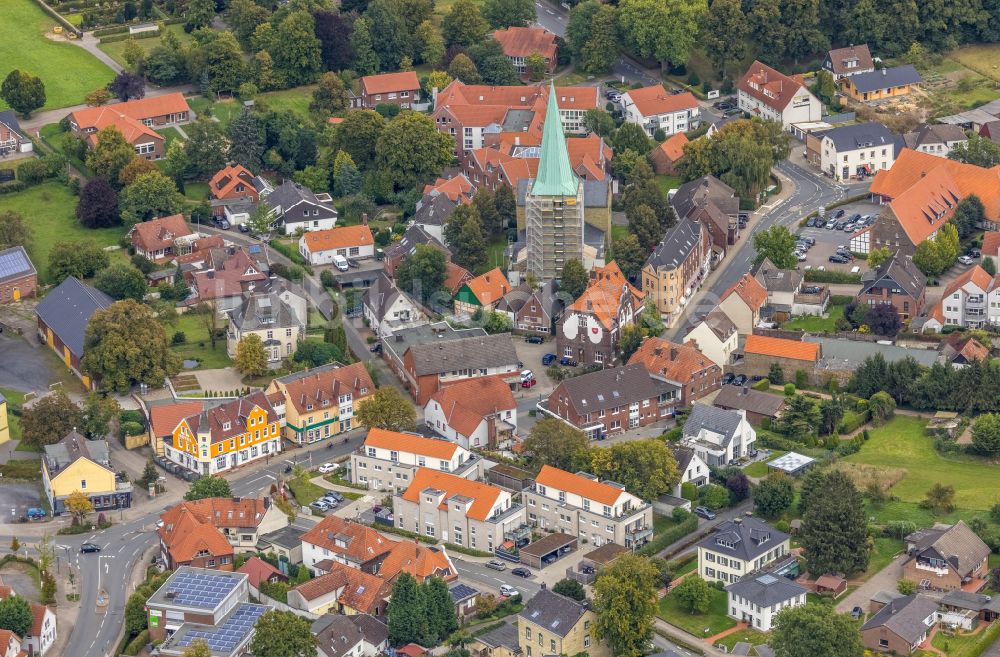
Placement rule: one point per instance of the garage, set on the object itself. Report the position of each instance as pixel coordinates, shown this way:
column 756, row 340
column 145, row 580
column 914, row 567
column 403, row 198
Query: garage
column 547, row 550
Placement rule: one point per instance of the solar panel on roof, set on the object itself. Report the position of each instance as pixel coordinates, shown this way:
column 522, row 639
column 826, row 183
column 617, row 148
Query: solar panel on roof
column 13, row 262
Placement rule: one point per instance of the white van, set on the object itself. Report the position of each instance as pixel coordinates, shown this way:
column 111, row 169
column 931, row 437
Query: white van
column 340, row 262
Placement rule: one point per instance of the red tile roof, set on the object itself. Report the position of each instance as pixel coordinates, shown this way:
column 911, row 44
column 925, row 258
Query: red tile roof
column 770, row 87
column 483, row 496
column 456, row 278
column 127, row 117
column 359, row 543
column 410, row 443
column 578, row 485
column 227, row 511
column 329, row 385
column 655, row 100
column 673, row 361
column 673, row 148
column 605, row 294
column 421, row 561
column 781, row 348
column 991, row 244
column 749, row 289
column 526, row 41
column 457, row 188
column 500, row 99
column 468, row 402
column 259, row 571
column 976, row 275
column 164, row 419
column 186, row 535
column 234, row 413
column 390, row 82
column 490, row 287
column 226, row 179
column 358, row 590
column 338, row 238
column 159, row 233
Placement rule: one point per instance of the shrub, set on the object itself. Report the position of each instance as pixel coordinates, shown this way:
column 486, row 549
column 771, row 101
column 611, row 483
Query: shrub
column 137, row 644
column 693, row 79
column 32, row 172
column 763, row 384
column 672, row 535
column 789, row 389
column 801, row 379
column 132, row 428
column 782, row 526
column 179, row 338
column 689, row 491
column 326, row 278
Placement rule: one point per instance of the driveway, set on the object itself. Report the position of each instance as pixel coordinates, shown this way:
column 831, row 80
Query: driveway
column 15, row 500
column 883, row 580
column 22, row 367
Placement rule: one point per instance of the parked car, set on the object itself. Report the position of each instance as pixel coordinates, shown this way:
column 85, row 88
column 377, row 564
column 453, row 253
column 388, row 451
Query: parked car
column 521, row 572
column 587, row 570
column 35, row 513
column 527, row 383
column 810, row 222
column 328, row 467
column 508, row 590
column 704, row 512
column 333, row 495
column 243, row 228
column 811, row 241
column 321, row 505
column 550, row 559
column 839, row 259
column 340, row 262
column 740, row 379
column 732, row 112
column 568, row 362
column 90, row 547
column 223, row 224
column 376, row 348
column 965, row 260
column 800, row 256
column 727, row 378
column 974, row 253
column 534, row 339
column 496, row 564
column 830, row 225
column 547, row 359
column 840, row 213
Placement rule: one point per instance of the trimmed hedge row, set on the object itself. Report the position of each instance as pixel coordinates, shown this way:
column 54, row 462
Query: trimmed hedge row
column 672, row 535
column 826, row 276
column 115, row 38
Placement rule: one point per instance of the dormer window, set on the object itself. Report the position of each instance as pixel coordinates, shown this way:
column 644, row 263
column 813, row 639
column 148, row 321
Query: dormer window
column 226, row 426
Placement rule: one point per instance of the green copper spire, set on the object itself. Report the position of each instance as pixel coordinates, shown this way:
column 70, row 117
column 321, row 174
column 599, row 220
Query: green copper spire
column 555, row 175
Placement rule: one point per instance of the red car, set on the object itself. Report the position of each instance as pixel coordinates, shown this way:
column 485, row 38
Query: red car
column 528, row 383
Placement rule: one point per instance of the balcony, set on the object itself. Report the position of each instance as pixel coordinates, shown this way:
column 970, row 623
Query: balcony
column 638, row 537
column 940, row 572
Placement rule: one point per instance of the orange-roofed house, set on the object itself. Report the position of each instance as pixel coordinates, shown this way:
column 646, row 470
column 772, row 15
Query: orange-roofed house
column 135, row 119
column 582, row 505
column 342, row 590
column 682, row 364
column 387, row 460
column 743, row 301
column 590, row 328
column 319, row 247
column 42, row 633
column 241, row 520
column 653, row 108
column 10, row 644
column 966, row 302
column 162, row 238
column 260, row 571
column 458, row 189
column 233, row 190
column 401, row 89
column 921, row 192
column 456, row 510
column 482, row 292
column 773, row 96
column 520, row 43
column 187, row 539
column 991, row 245
column 339, row 540
column 421, row 561
column 165, row 418
column 666, row 156
column 478, row 412
column 761, row 351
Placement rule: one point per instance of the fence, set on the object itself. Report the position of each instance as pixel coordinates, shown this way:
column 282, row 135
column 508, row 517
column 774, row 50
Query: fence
column 62, row 21
column 281, row 606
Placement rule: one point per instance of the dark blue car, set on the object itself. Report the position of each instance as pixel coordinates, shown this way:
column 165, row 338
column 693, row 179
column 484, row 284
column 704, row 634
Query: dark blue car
column 567, row 361
column 548, row 358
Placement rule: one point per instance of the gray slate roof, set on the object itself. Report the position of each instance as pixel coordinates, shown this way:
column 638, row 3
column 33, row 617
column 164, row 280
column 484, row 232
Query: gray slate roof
column 297, row 204
column 337, row 634
column 897, row 76
column 547, row 295
column 750, row 400
column 683, row 456
column 9, row 119
column 15, row 263
column 288, row 537
column 706, row 189
column 777, row 280
column 67, row 310
column 556, row 613
column 720, row 324
column 595, row 192
column 381, row 295
column 863, row 135
column 434, row 210
column 767, row 589
column 676, row 245
column 263, row 310
column 934, row 133
column 904, row 617
column 746, row 539
column 847, row 354
column 74, row 446
column 974, row 601
column 478, row 352
column 504, row 636
column 897, row 271
column 958, row 545
column 612, row 387
column 407, row 245
column 714, row 419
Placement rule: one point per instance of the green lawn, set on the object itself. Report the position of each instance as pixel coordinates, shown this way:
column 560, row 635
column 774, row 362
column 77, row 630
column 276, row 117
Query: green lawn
column 753, row 637
column 618, row 232
column 715, row 620
column 305, row 491
column 56, row 138
column 197, row 345
column 116, row 48
column 816, row 323
column 980, row 58
column 169, row 134
column 15, row 398
column 759, row 468
column 196, row 191
column 963, row 645
column 294, row 100
column 225, row 110
column 494, row 257
column 884, row 552
column 667, row 183
column 902, row 443
column 49, row 209
column 68, row 71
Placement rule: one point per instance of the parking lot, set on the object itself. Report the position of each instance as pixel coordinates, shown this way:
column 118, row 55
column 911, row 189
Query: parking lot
column 828, row 240
column 16, row 499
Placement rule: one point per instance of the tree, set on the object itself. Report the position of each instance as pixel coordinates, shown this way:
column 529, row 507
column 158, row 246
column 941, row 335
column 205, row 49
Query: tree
column 570, row 588
column 315, row 353
column 176, row 163
column 392, row 38
column 430, row 44
column 283, row 634
column 49, row 420
column 97, row 97
column 554, row 443
column 989, row 265
column 79, row 259
column 79, row 505
column 206, row 147
column 151, row 195
column 407, row 612
column 127, row 86
column 413, row 149
column 497, row 322
column 149, row 473
column 330, row 95
column 739, row 487
column 121, row 281
column 501, row 14
column 124, row 344
column 767, row 29
column 825, row 88
column 815, row 630
column 98, row 411
column 882, row 407
column 939, row 498
column 573, row 280
column 776, row 244
column 334, row 30
column 646, row 468
column 775, row 374
column 599, row 122
column 206, row 487
column 465, row 235
column 199, row 14
column 693, row 594
column 969, row 214
column 365, row 60
column 132, row 53
column 625, row 603
column 110, row 155
column 15, row 614
column 831, row 413
column 485, row 203
column 251, row 358
column 773, row 495
column 801, row 418
column 978, row 150
column 135, row 168
column 295, row 49
column 464, row 69
column 437, row 80
column 439, row 609
column 243, row 17
column 98, row 205
column 877, row 256
column 883, row 319
column 629, row 255
column 506, row 205
column 198, row 648
column 665, row 31
column 724, row 33
column 14, row 231
column 358, row 135
column 631, row 136
column 600, row 51
column 642, row 223
column 23, row 92
column 464, row 25
column 246, row 141
column 803, row 37
column 986, row 434
column 713, row 496
column 834, row 527
column 386, row 409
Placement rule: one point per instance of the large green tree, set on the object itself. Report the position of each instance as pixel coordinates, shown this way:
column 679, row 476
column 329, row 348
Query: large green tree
column 767, row 30
column 725, row 34
column 646, row 468
column 407, row 612
column 80, row 259
column 978, row 150
column 358, row 134
column 366, row 60
column 125, row 345
column 110, row 155
column 834, row 528
column 295, row 48
column 206, row 147
column 283, row 634
column 422, row 275
column 243, row 17
column 553, row 442
column 466, row 237
column 206, row 487
column 464, row 25
column 246, row 141
column 151, row 195
column 815, row 630
column 580, row 24
column 501, row 14
column 694, row 594
column 573, row 279
column 986, row 434
column 969, row 213
column 391, row 38
column 121, row 281
column 330, row 95
column 440, row 610
column 643, row 224
column 387, row 409
column 50, row 419
column 773, row 495
column 777, row 244
column 23, row 92
column 625, row 603
column 15, row 615
column 14, row 230
column 665, row 30
column 251, row 356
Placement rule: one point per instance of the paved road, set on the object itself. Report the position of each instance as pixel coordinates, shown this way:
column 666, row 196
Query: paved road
column 491, row 579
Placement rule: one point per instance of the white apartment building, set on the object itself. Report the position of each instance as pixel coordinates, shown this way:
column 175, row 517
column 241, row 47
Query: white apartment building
column 972, row 300
column 653, row 108
column 387, row 460
column 757, row 600
column 853, row 152
column 773, row 96
column 738, row 548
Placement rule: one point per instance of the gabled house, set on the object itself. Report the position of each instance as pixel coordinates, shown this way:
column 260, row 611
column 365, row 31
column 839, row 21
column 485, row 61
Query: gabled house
column 762, row 351
column 222, row 276
column 966, row 302
column 882, row 84
column 338, row 540
column 482, row 293
column 429, row 366
column 553, row 624
column 259, row 571
column 319, row 247
column 990, row 130
column 240, row 520
column 680, row 364
column 12, row 138
column 274, row 321
column 667, row 156
column 677, row 267
column 786, row 295
column 591, row 327
column 18, row 278
column 652, row 108
column 520, row 43
column 758, row 406
column 715, row 336
column 135, row 119
column 233, row 191
column 902, row 626
column 855, row 152
column 693, row 470
column 402, row 89
column 740, row 547
column 478, row 412
column 77, row 464
column 757, row 599
column 294, row 208
column 713, row 203
column 433, row 212
column 613, row 400
column 342, row 590
column 359, row 635
column 773, row 96
column 718, row 436
column 318, row 403
column 533, row 310
column 961, row 352
column 388, row 308
column 743, row 303
column 852, row 60
column 162, row 238
column 896, row 281
column 387, row 459
column 10, row 644
column 63, row 315
column 946, row 557
column 936, row 138
column 414, row 236
column 186, row 540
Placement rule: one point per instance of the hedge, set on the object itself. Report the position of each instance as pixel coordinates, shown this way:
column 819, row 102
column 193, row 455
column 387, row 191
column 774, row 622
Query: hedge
column 137, row 644
column 672, row 535
column 107, row 31
column 762, row 385
column 12, row 187
column 852, row 421
column 125, row 37
column 827, row 276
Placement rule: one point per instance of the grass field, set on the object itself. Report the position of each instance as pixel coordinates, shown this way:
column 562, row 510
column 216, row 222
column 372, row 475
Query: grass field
column 225, row 110
column 753, row 637
column 983, row 59
column 15, row 399
column 69, row 72
column 168, row 134
column 715, row 620
column 964, row 645
column 116, row 49
column 294, row 100
column 304, row 490
column 197, row 191
column 759, row 468
column 816, row 323
column 884, row 552
column 902, row 443
column 49, row 209
column 667, row 183
column 197, row 346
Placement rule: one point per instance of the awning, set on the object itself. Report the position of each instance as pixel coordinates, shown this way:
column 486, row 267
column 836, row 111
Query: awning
column 868, row 168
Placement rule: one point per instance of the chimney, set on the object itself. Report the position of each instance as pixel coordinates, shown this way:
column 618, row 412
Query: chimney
column 364, row 218
column 673, row 353
column 543, row 587
column 883, row 71
column 590, row 304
